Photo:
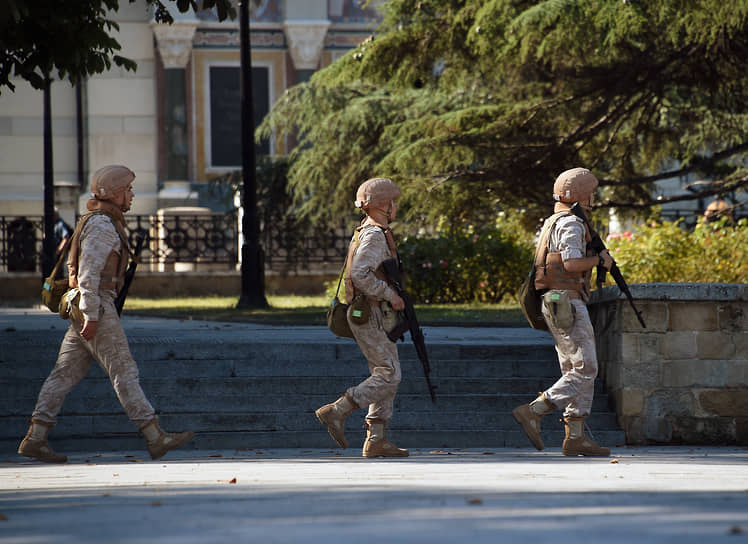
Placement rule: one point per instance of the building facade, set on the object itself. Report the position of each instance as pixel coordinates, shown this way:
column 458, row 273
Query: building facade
column 176, row 119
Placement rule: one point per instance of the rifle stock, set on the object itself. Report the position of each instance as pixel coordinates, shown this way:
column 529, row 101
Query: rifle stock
column 119, row 302
column 598, row 246
column 392, row 270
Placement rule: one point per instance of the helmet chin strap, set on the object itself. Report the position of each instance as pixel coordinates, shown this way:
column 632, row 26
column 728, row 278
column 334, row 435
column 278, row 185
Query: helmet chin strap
column 387, row 213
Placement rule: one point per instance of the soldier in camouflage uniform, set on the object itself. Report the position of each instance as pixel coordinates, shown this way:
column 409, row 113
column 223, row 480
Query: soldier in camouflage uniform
column 566, row 271
column 97, row 261
column 372, row 244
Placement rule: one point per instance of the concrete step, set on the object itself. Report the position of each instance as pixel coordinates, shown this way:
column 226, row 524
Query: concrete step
column 258, row 440
column 82, row 401
column 178, row 394
column 232, row 368
column 248, row 421
column 18, row 353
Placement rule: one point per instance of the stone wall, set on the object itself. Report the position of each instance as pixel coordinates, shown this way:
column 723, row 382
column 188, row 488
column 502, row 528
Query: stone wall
column 684, row 378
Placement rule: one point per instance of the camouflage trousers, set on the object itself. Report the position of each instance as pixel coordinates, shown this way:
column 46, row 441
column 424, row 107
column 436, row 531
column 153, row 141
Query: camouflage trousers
column 109, row 347
column 378, row 390
column 574, row 391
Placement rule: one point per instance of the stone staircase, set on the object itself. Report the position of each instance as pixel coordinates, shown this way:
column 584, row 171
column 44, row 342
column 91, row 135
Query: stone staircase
column 240, row 393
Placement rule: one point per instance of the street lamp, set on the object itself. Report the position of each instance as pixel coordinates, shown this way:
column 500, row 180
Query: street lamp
column 253, row 277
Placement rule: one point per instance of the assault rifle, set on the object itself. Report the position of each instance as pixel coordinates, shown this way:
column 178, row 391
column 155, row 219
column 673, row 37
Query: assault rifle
column 598, row 246
column 119, row 302
column 392, row 270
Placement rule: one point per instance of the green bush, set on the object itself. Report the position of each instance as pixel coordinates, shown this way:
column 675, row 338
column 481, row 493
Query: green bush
column 664, row 252
column 465, row 266
column 462, row 265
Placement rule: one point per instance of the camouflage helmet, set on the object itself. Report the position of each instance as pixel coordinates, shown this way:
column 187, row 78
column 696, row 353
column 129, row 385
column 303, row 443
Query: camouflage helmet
column 574, row 185
column 110, row 181
column 376, row 192
column 717, row 209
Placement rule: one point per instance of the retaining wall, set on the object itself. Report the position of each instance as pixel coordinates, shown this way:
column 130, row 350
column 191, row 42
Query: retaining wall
column 684, row 378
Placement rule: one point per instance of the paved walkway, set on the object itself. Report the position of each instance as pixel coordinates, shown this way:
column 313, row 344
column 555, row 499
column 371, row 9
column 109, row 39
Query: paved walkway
column 642, row 495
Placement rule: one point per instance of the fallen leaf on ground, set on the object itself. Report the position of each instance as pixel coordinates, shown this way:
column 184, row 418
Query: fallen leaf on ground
column 232, row 481
column 614, row 461
column 475, row 501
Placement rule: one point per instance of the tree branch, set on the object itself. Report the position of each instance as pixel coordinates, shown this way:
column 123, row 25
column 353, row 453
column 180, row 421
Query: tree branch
column 697, row 164
column 718, row 188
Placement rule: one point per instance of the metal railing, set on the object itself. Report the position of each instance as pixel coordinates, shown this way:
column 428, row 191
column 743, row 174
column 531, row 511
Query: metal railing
column 191, row 242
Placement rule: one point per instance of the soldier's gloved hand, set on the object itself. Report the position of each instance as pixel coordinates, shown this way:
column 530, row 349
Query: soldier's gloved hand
column 607, row 259
column 89, row 329
column 397, row 303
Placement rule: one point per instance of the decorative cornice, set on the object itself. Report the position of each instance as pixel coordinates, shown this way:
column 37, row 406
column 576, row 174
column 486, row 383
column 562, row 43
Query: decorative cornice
column 305, row 42
column 206, row 38
column 345, row 39
column 175, row 42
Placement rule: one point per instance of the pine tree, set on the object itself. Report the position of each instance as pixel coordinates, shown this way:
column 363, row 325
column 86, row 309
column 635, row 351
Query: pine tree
column 476, row 105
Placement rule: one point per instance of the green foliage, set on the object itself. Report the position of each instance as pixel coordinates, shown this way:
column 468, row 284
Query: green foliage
column 476, row 106
column 664, row 252
column 70, row 40
column 462, row 263
column 465, row 266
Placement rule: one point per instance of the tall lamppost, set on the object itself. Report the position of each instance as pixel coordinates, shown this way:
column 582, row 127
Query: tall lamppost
column 48, row 244
column 253, row 277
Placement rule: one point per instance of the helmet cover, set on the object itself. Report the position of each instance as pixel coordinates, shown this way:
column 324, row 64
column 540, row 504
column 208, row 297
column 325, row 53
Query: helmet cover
column 376, row 192
column 110, row 181
column 574, row 185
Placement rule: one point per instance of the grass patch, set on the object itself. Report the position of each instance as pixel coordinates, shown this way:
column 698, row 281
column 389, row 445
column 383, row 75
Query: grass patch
column 311, row 310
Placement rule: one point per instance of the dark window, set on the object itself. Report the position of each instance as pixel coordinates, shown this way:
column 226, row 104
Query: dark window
column 225, row 113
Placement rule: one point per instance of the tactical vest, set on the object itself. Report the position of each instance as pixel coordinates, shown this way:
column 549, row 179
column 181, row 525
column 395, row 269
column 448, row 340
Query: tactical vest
column 113, row 273
column 549, row 266
column 350, row 289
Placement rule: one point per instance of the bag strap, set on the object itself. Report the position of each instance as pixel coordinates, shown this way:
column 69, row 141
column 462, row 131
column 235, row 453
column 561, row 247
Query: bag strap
column 60, row 260
column 340, row 280
column 349, row 288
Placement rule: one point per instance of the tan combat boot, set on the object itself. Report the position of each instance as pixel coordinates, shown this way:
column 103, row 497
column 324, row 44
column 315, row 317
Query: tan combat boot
column 333, row 415
column 576, row 443
column 376, row 444
column 35, row 444
column 529, row 416
column 159, row 442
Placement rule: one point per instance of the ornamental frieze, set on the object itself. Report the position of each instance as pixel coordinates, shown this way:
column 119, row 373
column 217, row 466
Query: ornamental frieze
column 207, row 38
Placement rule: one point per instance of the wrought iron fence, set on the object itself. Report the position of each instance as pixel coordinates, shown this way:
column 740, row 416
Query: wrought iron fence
column 179, row 242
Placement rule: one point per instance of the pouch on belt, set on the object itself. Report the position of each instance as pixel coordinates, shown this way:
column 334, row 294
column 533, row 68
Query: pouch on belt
column 360, row 310
column 559, row 308
column 69, row 306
